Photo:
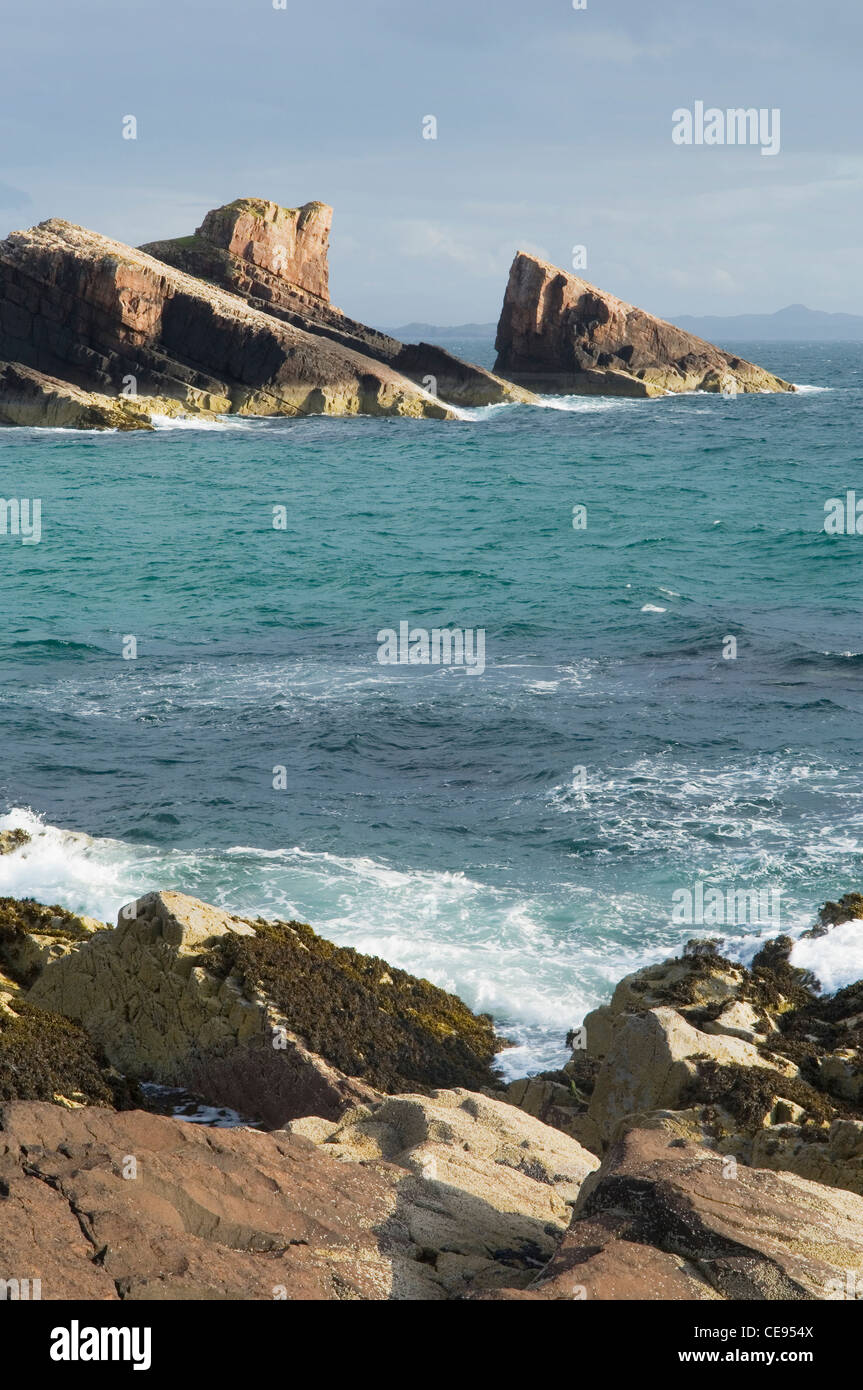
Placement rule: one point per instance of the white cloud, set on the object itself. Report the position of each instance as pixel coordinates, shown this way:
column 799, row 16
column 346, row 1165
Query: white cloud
column 609, row 46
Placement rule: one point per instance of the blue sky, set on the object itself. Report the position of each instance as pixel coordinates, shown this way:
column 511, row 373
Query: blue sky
column 554, row 129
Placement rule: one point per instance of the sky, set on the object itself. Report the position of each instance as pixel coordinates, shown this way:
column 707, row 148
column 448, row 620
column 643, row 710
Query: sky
column 554, row 130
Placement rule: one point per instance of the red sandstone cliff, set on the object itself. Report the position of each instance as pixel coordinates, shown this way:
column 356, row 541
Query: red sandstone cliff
column 559, row 334
column 276, row 259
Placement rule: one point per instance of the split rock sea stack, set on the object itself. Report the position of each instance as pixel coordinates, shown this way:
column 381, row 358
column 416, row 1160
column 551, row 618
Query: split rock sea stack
column 80, row 309
column 277, row 260
column 560, row 335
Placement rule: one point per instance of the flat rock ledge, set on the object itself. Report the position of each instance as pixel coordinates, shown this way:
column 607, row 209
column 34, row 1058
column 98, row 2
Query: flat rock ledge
column 470, row 1195
column 665, row 1219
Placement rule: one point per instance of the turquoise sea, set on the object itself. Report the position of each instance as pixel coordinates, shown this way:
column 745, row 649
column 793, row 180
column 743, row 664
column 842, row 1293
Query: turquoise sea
column 516, row 836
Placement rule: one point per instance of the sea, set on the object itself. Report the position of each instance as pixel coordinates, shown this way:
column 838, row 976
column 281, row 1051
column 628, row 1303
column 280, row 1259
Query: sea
column 669, row 710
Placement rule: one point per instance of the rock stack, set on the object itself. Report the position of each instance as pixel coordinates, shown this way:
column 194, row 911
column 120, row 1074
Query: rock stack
column 560, row 335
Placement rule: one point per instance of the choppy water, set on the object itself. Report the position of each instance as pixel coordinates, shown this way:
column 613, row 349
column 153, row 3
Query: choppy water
column 432, row 816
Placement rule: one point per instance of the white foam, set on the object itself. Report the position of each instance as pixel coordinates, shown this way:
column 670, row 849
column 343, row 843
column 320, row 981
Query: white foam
column 480, row 412
column 503, row 950
column 653, row 608
column 580, row 404
column 485, row 944
column 62, row 866
column 169, row 422
column 54, row 429
column 836, row 959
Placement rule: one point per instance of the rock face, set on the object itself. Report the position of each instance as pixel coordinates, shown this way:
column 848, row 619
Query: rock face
column 291, row 244
column 28, row 397
column 262, row 1017
column 653, row 1064
column 667, row 1219
column 561, row 335
column 99, row 315
column 276, row 259
column 44, row 1056
column 235, row 1214
column 750, row 1063
column 31, row 936
column 490, row 1189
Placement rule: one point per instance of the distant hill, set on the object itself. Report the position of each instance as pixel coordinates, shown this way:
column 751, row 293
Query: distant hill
column 795, row 322
column 431, row 332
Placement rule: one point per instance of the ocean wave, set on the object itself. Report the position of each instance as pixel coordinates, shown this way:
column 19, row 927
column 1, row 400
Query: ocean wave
column 587, row 404
column 485, row 944
column 502, row 950
column 835, row 959
column 53, row 429
column 169, row 422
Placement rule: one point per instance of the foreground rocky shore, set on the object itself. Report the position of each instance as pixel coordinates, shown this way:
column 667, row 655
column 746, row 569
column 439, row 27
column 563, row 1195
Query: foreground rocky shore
column 705, row 1141
column 236, row 318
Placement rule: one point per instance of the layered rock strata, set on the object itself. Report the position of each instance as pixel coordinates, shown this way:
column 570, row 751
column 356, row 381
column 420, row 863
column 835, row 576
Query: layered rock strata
column 105, row 318
column 31, row 398
column 558, row 334
column 276, row 259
